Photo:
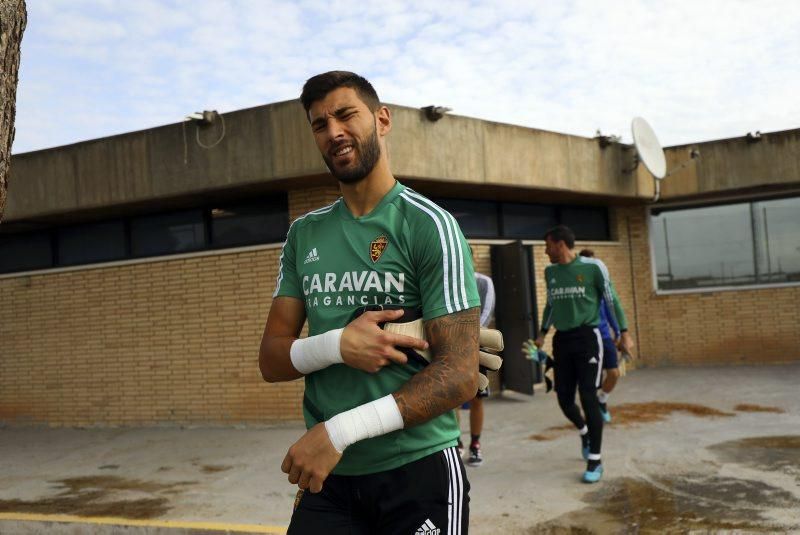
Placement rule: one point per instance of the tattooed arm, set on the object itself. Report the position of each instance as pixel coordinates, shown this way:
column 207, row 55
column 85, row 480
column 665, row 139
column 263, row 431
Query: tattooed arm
column 452, row 376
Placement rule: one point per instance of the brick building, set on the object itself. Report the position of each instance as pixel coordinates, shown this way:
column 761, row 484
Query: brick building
column 136, row 271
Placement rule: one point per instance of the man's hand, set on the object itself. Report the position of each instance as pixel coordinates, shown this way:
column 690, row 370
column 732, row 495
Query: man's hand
column 367, row 347
column 490, row 340
column 529, row 349
column 310, row 460
column 539, row 342
column 625, row 343
column 532, row 352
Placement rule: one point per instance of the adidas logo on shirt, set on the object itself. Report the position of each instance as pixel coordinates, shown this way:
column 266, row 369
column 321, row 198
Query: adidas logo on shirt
column 312, row 256
column 428, row 529
column 593, row 361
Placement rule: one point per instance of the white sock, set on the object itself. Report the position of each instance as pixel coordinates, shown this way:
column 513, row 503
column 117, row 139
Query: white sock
column 602, row 396
column 583, row 430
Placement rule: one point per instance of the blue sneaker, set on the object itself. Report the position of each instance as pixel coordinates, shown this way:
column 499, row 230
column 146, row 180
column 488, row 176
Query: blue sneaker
column 605, row 413
column 593, row 476
column 585, row 446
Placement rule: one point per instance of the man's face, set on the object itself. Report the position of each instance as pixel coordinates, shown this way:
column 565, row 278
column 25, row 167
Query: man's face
column 552, row 249
column 346, row 134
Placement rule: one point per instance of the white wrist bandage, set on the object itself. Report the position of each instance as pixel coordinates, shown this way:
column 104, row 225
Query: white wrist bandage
column 316, row 352
column 365, row 421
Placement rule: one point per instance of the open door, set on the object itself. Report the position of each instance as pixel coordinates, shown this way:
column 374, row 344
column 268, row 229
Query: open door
column 515, row 313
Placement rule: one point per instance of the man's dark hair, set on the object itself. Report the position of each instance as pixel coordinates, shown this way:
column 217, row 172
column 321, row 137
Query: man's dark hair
column 588, row 253
column 317, row 87
column 561, row 233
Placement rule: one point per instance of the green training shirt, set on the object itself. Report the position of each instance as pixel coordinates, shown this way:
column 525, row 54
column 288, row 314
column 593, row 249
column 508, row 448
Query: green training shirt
column 407, row 251
column 574, row 291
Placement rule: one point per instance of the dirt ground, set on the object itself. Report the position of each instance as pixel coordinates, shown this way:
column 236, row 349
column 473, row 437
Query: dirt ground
column 701, row 450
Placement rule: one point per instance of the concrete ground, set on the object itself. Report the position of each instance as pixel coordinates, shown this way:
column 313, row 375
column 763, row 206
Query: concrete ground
column 688, row 449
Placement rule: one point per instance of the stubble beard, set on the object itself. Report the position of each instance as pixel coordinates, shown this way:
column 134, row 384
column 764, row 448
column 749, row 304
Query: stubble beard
column 369, row 153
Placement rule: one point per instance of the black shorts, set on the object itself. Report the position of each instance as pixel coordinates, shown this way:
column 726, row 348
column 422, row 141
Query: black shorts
column 578, row 356
column 609, row 354
column 429, row 496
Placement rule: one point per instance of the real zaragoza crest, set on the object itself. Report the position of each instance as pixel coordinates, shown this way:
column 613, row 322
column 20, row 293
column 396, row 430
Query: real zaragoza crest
column 377, row 247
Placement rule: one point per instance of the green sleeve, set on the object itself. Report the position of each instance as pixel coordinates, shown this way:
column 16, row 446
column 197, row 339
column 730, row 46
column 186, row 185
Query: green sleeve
column 444, row 267
column 288, row 283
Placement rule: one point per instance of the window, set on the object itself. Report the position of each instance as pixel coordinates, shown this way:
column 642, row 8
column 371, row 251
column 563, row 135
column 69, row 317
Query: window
column 528, row 221
column 477, row 219
column 487, row 219
column 588, row 223
column 21, row 252
column 265, row 220
column 777, row 227
column 728, row 245
column 168, row 233
column 99, row 242
column 248, row 224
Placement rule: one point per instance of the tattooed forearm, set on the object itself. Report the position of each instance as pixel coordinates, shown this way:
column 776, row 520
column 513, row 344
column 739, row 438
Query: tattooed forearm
column 452, row 376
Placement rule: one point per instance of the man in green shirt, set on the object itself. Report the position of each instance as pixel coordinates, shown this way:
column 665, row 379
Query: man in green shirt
column 575, row 287
column 381, row 428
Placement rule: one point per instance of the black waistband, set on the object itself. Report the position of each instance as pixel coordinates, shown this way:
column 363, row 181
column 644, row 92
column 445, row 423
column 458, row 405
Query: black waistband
column 583, row 330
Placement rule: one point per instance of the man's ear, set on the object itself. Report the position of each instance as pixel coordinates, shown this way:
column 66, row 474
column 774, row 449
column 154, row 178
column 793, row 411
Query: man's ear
column 383, row 119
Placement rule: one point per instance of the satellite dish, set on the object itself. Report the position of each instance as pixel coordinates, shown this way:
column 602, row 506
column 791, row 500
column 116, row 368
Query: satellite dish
column 648, row 148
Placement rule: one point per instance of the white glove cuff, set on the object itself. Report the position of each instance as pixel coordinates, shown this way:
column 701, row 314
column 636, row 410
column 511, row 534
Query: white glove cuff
column 316, row 352
column 365, row 421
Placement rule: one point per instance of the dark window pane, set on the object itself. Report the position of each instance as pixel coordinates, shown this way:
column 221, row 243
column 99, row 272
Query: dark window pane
column 477, row 219
column 168, row 233
column 242, row 225
column 91, row 243
column 704, row 247
column 778, row 239
column 588, row 223
column 527, row 221
column 21, row 252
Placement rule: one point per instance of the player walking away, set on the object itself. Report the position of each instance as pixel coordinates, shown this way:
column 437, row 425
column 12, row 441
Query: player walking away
column 379, row 454
column 609, row 330
column 476, row 412
column 575, row 286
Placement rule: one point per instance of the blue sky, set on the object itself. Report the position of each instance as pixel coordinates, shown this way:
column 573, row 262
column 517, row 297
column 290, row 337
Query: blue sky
column 697, row 70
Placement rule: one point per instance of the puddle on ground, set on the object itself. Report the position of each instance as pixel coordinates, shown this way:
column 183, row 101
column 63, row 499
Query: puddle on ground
column 686, row 503
column 630, row 414
column 101, row 496
column 772, row 453
column 214, row 468
column 655, row 411
column 750, row 407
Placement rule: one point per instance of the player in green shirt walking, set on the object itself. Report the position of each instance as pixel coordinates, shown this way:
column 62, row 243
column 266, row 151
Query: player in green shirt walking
column 381, row 429
column 575, row 287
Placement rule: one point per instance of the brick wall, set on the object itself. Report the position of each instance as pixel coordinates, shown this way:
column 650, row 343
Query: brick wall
column 168, row 341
